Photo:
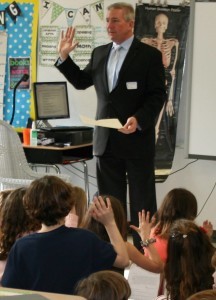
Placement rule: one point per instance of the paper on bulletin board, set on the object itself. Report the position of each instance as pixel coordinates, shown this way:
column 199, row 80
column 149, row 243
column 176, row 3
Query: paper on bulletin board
column 110, row 123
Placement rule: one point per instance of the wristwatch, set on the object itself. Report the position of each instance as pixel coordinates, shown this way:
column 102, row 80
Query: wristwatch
column 147, row 242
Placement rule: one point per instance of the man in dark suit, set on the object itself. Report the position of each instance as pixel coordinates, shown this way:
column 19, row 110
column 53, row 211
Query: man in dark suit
column 125, row 155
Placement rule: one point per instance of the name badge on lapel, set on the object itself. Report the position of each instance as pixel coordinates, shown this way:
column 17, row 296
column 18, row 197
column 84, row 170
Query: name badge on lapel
column 131, row 85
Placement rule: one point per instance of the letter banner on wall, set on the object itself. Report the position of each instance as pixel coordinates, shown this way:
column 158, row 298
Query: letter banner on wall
column 165, row 28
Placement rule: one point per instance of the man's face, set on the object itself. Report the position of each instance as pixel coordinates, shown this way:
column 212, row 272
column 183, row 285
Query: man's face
column 118, row 29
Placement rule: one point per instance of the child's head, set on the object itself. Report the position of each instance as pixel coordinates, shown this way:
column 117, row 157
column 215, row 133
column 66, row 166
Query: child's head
column 106, row 285
column 119, row 215
column 204, row 295
column 179, row 203
column 14, row 221
column 49, row 199
column 188, row 268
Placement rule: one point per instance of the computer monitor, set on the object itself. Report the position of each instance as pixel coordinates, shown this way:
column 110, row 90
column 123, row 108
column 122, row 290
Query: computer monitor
column 51, row 100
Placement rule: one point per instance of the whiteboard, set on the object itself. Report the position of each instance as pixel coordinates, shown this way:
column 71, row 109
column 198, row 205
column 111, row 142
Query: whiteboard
column 202, row 123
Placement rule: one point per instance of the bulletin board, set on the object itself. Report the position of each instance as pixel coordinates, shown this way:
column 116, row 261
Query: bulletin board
column 21, row 35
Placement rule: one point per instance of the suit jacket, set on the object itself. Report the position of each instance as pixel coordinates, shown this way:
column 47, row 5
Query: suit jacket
column 143, row 99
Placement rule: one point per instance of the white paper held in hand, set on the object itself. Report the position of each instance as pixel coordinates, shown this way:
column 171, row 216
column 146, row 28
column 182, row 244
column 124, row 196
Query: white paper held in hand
column 110, row 123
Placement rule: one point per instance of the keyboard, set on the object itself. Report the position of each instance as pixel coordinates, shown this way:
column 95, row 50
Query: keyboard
column 66, row 128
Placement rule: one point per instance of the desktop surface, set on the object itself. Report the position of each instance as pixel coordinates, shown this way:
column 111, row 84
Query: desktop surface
column 65, row 128
column 57, row 155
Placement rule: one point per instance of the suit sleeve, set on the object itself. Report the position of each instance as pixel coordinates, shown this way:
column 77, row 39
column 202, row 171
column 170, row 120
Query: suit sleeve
column 80, row 79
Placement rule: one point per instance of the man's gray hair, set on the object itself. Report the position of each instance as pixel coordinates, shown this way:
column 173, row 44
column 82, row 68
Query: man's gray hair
column 129, row 13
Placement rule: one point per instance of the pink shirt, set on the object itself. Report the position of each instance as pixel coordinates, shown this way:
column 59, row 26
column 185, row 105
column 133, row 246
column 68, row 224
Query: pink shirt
column 160, row 245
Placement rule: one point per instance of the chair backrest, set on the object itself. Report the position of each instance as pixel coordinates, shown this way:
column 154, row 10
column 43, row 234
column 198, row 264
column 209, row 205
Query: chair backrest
column 13, row 162
column 12, row 157
column 11, row 183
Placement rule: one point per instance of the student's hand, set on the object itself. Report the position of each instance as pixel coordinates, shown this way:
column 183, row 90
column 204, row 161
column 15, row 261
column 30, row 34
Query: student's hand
column 66, row 43
column 145, row 225
column 208, row 227
column 101, row 211
column 130, row 126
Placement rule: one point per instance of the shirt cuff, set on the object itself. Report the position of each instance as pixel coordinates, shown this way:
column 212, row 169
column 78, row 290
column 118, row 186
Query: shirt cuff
column 59, row 62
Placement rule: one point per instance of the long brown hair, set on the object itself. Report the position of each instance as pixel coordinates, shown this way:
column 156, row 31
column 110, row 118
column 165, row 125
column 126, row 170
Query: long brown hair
column 188, row 268
column 120, row 219
column 80, row 203
column 179, row 203
column 14, row 221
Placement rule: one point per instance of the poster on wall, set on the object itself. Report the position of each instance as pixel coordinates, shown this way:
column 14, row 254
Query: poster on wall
column 18, row 66
column 20, row 24
column 166, row 28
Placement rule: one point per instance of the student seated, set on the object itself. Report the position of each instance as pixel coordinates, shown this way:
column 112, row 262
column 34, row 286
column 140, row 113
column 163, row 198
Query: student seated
column 152, row 263
column 179, row 203
column 56, row 257
column 188, row 268
column 104, row 285
column 15, row 223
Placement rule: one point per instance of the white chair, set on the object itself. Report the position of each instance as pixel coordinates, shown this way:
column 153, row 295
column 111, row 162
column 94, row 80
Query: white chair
column 11, row 183
column 13, row 162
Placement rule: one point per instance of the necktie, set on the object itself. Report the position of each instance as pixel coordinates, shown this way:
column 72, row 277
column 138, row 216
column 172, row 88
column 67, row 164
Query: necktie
column 112, row 64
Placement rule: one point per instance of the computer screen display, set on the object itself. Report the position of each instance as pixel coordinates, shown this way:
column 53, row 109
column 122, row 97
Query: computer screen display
column 51, row 100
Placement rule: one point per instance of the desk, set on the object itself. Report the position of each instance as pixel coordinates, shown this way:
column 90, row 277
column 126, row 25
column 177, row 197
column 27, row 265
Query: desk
column 65, row 155
column 51, row 296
